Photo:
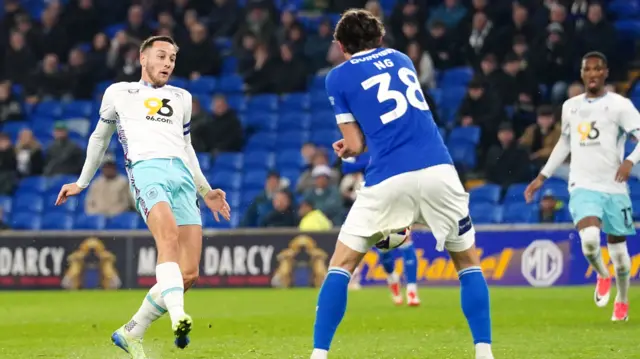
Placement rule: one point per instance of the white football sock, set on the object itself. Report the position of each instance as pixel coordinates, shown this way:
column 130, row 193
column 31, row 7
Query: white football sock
column 590, row 239
column 483, row 351
column 622, row 263
column 319, row 354
column 169, row 279
column 412, row 287
column 151, row 309
column 393, row 278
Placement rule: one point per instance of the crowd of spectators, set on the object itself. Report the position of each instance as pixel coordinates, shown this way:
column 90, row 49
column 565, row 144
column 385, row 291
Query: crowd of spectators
column 525, row 55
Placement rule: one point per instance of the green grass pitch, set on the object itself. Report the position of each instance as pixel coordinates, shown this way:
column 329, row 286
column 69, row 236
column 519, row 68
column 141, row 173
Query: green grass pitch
column 557, row 323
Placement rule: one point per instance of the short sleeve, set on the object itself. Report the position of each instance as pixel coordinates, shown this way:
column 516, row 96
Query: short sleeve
column 188, row 108
column 108, row 112
column 337, row 98
column 629, row 118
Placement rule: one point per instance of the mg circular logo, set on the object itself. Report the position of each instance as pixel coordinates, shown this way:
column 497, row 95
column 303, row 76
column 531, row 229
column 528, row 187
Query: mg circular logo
column 542, row 263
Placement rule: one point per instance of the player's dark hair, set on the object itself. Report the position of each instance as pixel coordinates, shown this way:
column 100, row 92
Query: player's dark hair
column 153, row 39
column 596, row 55
column 358, row 30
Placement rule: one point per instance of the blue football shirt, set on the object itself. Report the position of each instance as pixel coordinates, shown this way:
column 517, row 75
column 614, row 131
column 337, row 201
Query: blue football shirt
column 379, row 89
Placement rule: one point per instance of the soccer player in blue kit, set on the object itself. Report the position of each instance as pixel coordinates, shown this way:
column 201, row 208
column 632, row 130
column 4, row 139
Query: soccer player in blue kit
column 380, row 107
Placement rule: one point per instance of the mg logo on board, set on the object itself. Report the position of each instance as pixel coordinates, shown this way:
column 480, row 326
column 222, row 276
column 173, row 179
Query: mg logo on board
column 542, row 263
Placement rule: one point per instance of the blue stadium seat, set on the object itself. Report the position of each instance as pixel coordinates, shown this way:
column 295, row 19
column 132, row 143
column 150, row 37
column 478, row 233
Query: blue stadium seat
column 452, row 97
column 320, row 101
column 628, row 29
column 634, row 190
column 289, row 158
column 291, row 173
column 209, row 222
column 203, row 85
column 564, row 216
column 485, row 213
column 261, row 141
column 78, row 109
column 291, row 140
column 520, row 213
column 35, row 184
column 262, row 103
column 49, row 108
column 295, row 102
column 463, row 153
column 559, row 190
column 178, row 82
column 254, row 179
column 636, row 209
column 57, row 221
column 323, row 120
column 205, row 161
column 625, row 9
column 228, row 161
column 70, row 206
column 90, row 222
column 124, row 221
column 28, row 202
column 459, row 76
column 227, row 180
column 231, row 84
column 249, row 194
column 294, row 121
column 260, row 122
column 229, row 65
column 324, row 137
column 25, row 221
column 258, row 160
column 515, row 193
column 318, row 82
column 56, row 182
column 5, row 204
column 236, row 102
column 470, row 133
column 12, row 128
column 223, row 43
column 443, row 133
column 112, row 30
column 436, row 95
column 488, row 193
column 101, row 87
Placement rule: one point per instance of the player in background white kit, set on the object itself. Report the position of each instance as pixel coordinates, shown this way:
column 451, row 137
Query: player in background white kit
column 152, row 121
column 594, row 129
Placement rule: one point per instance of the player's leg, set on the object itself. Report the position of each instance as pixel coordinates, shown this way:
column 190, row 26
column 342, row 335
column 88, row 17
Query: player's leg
column 354, row 283
column 618, row 223
column 587, row 209
column 410, row 271
column 388, row 260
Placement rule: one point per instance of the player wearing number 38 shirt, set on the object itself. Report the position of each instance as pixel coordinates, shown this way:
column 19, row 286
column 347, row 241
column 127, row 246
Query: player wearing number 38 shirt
column 380, row 107
column 595, row 126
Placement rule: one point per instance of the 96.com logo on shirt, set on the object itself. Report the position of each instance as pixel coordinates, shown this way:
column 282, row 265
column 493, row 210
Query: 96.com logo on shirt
column 159, row 110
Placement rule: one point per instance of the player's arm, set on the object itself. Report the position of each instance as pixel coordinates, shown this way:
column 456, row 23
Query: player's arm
column 353, row 139
column 201, row 182
column 629, row 121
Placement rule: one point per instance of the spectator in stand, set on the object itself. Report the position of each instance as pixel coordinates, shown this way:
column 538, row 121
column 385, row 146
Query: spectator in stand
column 558, row 15
column 578, row 10
column 306, row 180
column 263, row 203
column 423, row 64
column 49, row 82
column 406, row 10
column 349, row 186
column 137, row 28
column 29, row 155
column 410, row 33
column 576, row 88
column 262, row 77
column 82, row 21
column 109, row 194
column 24, row 25
column 283, row 213
column 258, row 22
column 10, row 107
column 481, row 107
column 3, row 225
column 292, row 72
column 550, row 207
column 489, row 72
column 19, row 60
column 317, row 47
column 483, row 38
column 167, row 25
column 129, row 68
column 519, row 25
column 198, row 56
column 296, row 39
column 334, row 57
column 53, row 37
column 287, row 21
column 225, row 132
column 553, row 61
column 63, row 157
column 11, row 9
column 8, row 169
column 450, row 13
column 82, row 79
column 517, row 87
column 597, row 34
column 307, row 152
column 540, row 138
column 223, row 18
column 443, row 50
column 97, row 57
column 311, row 219
column 506, row 162
column 324, row 195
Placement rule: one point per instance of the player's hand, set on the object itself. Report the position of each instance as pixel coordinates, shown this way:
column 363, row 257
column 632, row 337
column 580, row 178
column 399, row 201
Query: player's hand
column 532, row 188
column 623, row 172
column 216, row 200
column 339, row 148
column 68, row 190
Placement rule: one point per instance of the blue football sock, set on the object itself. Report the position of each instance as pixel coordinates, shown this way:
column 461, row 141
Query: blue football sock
column 388, row 261
column 474, row 297
column 332, row 303
column 410, row 263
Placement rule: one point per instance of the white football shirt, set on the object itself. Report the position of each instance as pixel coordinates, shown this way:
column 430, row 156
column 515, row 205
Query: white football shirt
column 150, row 122
column 597, row 130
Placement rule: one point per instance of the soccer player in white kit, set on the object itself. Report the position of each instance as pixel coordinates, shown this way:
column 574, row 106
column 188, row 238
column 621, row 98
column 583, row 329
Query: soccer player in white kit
column 594, row 129
column 152, row 121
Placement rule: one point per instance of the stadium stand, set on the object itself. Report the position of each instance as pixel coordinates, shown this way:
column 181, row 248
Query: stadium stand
column 59, row 57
